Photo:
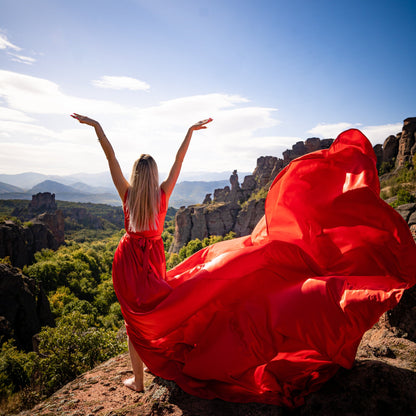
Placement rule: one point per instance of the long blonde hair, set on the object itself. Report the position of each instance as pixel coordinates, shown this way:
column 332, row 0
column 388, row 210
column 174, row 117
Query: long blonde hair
column 144, row 195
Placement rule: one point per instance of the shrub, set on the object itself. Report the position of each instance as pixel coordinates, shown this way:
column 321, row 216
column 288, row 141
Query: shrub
column 386, row 167
column 15, row 372
column 72, row 348
column 173, row 260
column 403, row 197
column 6, row 260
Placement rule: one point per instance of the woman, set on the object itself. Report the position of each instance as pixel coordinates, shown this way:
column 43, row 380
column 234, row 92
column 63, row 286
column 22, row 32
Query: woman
column 139, row 268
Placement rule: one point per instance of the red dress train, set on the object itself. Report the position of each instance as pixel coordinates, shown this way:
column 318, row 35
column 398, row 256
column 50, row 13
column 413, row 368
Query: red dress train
column 271, row 316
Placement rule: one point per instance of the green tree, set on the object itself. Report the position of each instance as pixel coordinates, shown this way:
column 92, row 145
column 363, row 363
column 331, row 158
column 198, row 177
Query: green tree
column 72, row 348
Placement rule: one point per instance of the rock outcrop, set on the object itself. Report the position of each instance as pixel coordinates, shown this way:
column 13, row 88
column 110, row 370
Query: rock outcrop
column 381, row 382
column 217, row 218
column 407, row 143
column 42, row 202
column 45, row 229
column 391, row 148
column 239, row 207
column 24, row 307
column 42, row 209
column 21, row 243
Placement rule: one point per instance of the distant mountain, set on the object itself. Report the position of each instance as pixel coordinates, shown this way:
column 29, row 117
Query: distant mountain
column 5, row 187
column 83, row 187
column 98, row 188
column 54, row 188
column 23, row 180
column 28, row 180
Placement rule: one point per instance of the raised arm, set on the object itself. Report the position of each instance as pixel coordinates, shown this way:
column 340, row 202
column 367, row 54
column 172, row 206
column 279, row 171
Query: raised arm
column 170, row 182
column 119, row 180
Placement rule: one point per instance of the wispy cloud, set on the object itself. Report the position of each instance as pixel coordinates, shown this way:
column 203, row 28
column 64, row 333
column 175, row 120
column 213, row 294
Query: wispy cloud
column 8, row 46
column 22, row 59
column 376, row 134
column 121, row 83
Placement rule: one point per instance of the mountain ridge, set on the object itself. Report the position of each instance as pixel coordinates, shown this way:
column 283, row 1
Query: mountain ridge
column 185, row 193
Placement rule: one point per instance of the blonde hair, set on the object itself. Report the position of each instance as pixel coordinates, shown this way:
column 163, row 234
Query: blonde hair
column 144, row 195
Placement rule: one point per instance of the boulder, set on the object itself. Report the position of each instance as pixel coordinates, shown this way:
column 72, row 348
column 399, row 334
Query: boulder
column 390, row 149
column 406, row 143
column 378, row 150
column 249, row 216
column 407, row 211
column 403, row 316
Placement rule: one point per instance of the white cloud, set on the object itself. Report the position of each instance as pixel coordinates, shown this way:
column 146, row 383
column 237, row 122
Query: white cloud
column 121, row 83
column 330, row 130
column 34, row 131
column 5, row 44
column 40, row 96
column 233, row 141
column 49, row 158
column 13, row 115
column 225, row 144
column 22, row 59
column 376, row 134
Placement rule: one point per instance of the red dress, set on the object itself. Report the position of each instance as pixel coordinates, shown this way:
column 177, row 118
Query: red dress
column 271, row 316
column 139, row 266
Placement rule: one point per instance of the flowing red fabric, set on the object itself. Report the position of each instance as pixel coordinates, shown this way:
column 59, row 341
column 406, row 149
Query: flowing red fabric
column 271, row 316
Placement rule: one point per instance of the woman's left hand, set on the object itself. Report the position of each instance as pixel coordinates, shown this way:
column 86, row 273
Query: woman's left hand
column 201, row 124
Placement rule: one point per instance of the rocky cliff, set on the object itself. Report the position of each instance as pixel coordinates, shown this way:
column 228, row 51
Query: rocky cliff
column 21, row 243
column 238, row 208
column 44, row 230
column 24, row 307
column 381, row 382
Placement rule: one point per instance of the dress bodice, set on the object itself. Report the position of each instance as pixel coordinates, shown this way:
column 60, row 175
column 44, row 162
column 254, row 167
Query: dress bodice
column 152, row 233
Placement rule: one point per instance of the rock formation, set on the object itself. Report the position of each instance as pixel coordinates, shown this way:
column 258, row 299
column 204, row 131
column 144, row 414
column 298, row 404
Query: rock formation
column 408, row 212
column 236, row 208
column 407, row 143
column 42, row 202
column 240, row 207
column 24, row 307
column 382, row 381
column 21, row 243
column 391, row 148
column 45, row 230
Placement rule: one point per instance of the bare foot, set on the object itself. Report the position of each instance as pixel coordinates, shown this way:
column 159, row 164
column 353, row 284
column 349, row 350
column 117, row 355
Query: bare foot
column 131, row 384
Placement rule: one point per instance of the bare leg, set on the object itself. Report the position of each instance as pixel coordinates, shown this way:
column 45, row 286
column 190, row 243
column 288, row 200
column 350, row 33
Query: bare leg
column 135, row 382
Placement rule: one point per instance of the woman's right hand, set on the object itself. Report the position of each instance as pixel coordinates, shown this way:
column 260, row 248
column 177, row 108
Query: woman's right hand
column 201, row 124
column 85, row 120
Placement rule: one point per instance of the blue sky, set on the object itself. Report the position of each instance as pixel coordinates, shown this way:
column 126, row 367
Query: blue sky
column 270, row 73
